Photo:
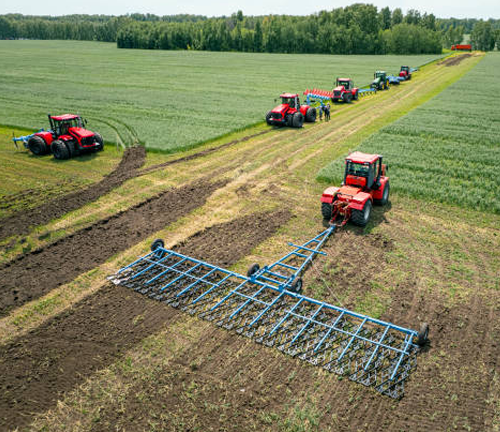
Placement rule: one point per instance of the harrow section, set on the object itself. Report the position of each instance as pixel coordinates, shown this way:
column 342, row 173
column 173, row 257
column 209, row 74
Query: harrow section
column 262, row 307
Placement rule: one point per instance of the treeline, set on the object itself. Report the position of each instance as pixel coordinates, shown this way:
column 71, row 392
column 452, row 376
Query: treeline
column 355, row 29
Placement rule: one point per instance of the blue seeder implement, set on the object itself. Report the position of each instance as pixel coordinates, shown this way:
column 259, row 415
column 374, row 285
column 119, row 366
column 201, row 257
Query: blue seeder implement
column 24, row 139
column 267, row 307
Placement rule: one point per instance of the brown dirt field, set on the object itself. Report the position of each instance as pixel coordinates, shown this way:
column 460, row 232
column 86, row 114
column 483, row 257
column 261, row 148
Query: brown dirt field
column 36, row 369
column 453, row 61
column 34, row 274
column 21, row 222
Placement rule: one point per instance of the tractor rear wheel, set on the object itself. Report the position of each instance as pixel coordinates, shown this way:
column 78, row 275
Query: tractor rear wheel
column 298, row 120
column 361, row 217
column 268, row 118
column 254, row 268
column 385, row 195
column 37, row 145
column 60, row 150
column 311, row 115
column 423, row 335
column 356, row 96
column 347, row 97
column 326, row 211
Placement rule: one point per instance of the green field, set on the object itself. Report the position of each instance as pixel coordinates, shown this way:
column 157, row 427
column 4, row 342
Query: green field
column 168, row 100
column 448, row 149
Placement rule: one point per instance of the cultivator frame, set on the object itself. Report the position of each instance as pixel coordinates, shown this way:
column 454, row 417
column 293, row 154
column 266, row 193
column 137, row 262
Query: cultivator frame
column 327, row 95
column 264, row 308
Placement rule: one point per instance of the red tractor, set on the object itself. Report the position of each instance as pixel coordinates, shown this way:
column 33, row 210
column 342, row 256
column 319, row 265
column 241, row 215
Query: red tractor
column 405, row 73
column 345, row 91
column 66, row 138
column 365, row 184
column 290, row 112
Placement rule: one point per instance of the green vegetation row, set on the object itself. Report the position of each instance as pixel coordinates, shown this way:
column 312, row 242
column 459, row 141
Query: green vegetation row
column 448, row 149
column 171, row 100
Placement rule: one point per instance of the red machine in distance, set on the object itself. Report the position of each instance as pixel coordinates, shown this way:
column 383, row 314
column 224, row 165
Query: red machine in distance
column 405, row 73
column 290, row 112
column 463, row 47
column 66, row 138
column 365, row 183
column 345, row 91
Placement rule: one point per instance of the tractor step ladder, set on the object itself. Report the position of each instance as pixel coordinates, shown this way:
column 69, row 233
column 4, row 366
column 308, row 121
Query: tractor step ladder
column 369, row 351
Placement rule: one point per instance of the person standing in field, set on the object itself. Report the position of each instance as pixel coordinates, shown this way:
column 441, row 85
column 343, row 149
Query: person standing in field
column 321, row 111
column 327, row 112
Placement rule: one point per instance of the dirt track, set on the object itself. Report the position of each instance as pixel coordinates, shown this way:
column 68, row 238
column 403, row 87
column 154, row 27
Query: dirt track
column 37, row 368
column 453, row 61
column 32, row 275
column 20, row 223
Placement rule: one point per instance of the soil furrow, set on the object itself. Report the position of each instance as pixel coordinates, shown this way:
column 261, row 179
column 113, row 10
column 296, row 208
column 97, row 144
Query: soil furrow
column 21, row 222
column 34, row 274
column 36, row 369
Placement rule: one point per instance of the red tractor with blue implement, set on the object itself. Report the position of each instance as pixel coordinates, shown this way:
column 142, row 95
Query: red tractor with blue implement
column 67, row 137
column 290, row 112
column 365, row 183
column 345, row 91
column 405, row 73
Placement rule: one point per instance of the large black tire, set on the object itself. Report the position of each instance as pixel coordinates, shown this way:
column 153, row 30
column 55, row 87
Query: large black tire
column 385, row 195
column 72, row 148
column 347, row 97
column 289, row 120
column 60, row 150
column 254, row 268
column 37, row 145
column 158, row 243
column 298, row 120
column 311, row 115
column 99, row 141
column 356, row 96
column 361, row 217
column 423, row 335
column 326, row 211
column 268, row 119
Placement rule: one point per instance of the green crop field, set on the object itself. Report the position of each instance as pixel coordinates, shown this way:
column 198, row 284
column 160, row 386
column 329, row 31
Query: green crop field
column 448, row 149
column 169, row 100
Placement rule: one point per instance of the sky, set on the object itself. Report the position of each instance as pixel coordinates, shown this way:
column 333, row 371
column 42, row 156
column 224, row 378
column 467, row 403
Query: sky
column 442, row 8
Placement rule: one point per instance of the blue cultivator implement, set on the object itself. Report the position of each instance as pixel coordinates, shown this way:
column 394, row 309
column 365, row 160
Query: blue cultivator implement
column 24, row 139
column 268, row 307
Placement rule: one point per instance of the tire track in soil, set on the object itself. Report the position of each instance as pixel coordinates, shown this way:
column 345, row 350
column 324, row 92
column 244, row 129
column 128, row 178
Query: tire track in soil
column 32, row 275
column 37, row 368
column 21, row 222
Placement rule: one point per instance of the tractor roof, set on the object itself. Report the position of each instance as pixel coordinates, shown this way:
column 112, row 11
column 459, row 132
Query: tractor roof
column 64, row 117
column 288, row 95
column 344, row 79
column 359, row 157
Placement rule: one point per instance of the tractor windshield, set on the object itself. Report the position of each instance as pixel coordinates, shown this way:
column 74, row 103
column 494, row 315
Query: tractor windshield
column 63, row 126
column 345, row 84
column 288, row 101
column 358, row 169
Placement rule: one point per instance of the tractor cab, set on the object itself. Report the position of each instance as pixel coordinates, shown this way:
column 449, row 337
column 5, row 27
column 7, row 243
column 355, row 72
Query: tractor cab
column 380, row 74
column 68, row 124
column 292, row 100
column 363, row 170
column 347, row 83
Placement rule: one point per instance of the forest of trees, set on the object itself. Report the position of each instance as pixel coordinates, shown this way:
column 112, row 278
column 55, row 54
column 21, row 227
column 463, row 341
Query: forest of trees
column 355, row 29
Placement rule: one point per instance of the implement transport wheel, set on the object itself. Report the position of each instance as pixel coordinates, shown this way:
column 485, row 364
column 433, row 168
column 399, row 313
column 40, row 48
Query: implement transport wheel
column 254, row 268
column 60, row 150
column 423, row 335
column 385, row 195
column 361, row 217
column 268, row 119
column 326, row 211
column 311, row 115
column 297, row 120
column 37, row 145
column 158, row 243
column 296, row 286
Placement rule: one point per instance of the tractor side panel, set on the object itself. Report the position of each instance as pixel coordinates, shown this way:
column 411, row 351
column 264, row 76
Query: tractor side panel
column 378, row 194
column 358, row 201
column 329, row 194
column 46, row 136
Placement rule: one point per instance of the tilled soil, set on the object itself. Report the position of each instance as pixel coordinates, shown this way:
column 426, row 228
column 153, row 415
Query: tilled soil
column 21, row 222
column 36, row 369
column 453, row 61
column 34, row 274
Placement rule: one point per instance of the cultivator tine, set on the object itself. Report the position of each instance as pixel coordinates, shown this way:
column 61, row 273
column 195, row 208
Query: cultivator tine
column 368, row 351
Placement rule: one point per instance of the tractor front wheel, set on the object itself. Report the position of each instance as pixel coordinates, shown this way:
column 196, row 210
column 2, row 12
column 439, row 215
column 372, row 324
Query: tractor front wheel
column 268, row 119
column 326, row 211
column 298, row 120
column 60, row 150
column 99, row 141
column 385, row 195
column 311, row 115
column 361, row 217
column 37, row 145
